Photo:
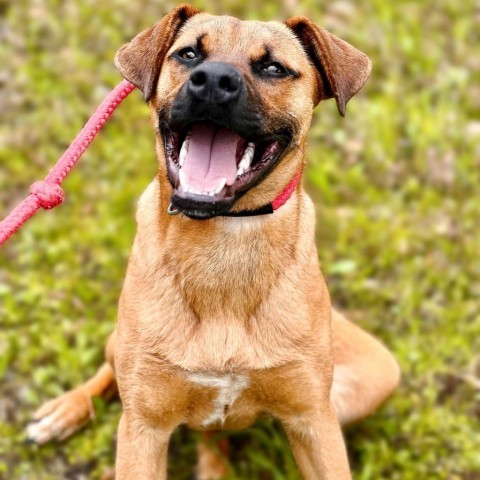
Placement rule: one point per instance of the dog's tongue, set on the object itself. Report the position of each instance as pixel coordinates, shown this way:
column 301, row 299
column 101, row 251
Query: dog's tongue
column 211, row 156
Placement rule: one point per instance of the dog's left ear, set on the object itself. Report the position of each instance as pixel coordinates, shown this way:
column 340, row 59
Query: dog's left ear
column 342, row 70
column 140, row 60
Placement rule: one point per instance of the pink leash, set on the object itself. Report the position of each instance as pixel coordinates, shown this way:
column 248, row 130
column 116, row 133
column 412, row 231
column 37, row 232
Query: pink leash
column 48, row 193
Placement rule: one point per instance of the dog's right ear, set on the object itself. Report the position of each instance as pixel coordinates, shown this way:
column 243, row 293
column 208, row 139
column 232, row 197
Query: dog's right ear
column 140, row 60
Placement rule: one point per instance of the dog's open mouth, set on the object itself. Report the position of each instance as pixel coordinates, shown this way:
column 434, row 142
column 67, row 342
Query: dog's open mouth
column 210, row 166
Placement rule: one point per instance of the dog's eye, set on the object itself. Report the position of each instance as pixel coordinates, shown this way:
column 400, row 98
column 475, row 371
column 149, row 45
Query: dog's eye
column 274, row 69
column 188, row 54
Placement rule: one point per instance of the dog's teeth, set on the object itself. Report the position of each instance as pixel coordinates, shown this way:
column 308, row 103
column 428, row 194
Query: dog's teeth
column 240, row 172
column 246, row 159
column 220, row 186
column 183, row 181
column 189, row 189
column 244, row 164
column 183, row 151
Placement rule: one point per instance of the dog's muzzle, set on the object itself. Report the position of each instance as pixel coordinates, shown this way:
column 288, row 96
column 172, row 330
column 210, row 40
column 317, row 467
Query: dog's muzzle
column 213, row 145
column 215, row 92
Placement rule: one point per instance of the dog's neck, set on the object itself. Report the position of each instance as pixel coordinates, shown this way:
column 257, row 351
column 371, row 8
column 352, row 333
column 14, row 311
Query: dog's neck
column 215, row 259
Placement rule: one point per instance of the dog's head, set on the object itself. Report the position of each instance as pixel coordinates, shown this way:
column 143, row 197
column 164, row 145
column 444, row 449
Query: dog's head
column 232, row 101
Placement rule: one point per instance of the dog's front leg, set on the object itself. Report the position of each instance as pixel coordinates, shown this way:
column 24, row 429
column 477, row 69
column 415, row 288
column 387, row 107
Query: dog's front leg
column 317, row 444
column 141, row 451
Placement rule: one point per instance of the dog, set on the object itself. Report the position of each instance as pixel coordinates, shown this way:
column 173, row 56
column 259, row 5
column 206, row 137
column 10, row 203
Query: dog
column 224, row 314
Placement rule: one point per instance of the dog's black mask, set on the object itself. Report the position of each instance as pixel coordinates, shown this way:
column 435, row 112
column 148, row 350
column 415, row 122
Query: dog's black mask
column 214, row 143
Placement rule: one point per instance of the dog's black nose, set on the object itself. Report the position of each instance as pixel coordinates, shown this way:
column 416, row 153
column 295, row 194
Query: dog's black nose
column 215, row 82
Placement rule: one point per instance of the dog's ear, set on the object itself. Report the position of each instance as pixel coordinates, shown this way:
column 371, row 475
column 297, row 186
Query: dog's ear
column 341, row 69
column 140, row 60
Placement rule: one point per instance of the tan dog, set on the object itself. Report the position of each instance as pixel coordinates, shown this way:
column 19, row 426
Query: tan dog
column 224, row 319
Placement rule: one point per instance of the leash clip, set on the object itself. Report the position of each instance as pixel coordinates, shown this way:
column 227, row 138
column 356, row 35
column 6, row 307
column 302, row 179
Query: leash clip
column 172, row 211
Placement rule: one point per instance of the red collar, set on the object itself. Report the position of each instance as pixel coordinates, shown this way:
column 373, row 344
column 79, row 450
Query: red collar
column 269, row 207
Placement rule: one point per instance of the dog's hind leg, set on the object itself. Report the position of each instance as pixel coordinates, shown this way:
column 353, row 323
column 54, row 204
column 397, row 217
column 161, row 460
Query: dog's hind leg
column 60, row 417
column 212, row 458
column 365, row 373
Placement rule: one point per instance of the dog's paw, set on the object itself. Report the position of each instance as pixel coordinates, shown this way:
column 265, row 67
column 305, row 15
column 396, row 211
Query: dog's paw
column 59, row 418
column 211, row 464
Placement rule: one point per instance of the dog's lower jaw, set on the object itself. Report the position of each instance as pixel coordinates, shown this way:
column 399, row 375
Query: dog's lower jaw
column 193, row 207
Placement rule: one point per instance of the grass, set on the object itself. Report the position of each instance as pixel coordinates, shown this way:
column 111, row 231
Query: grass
column 396, row 184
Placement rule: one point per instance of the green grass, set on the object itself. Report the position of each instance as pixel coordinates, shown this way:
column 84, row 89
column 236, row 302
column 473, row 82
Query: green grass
column 397, row 188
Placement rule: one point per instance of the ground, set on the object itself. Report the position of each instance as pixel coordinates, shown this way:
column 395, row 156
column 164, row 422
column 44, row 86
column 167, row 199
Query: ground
column 396, row 184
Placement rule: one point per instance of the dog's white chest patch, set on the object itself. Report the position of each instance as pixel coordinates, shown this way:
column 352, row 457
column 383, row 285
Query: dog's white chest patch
column 229, row 387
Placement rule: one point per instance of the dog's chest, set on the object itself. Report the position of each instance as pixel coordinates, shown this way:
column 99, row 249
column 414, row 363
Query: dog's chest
column 222, row 390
